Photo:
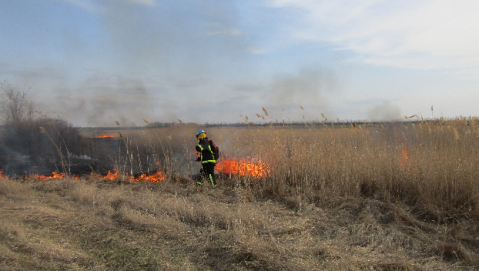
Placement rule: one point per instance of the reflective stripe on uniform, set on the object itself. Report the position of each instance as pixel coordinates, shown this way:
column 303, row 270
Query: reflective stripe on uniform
column 208, row 161
column 212, row 154
column 201, row 154
column 212, row 181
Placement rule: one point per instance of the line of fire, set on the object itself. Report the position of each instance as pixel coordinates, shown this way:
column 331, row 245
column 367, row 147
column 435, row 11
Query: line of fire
column 52, row 148
column 55, row 149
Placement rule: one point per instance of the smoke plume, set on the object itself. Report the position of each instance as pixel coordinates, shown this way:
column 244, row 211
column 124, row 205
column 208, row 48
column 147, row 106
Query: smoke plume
column 386, row 111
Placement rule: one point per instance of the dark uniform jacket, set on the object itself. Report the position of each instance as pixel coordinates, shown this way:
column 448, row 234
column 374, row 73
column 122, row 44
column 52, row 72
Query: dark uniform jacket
column 204, row 147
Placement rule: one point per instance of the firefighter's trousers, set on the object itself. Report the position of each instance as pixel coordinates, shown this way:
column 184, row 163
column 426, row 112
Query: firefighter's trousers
column 208, row 173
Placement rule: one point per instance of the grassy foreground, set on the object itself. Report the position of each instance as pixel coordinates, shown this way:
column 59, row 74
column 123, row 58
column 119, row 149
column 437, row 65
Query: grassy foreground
column 398, row 196
column 63, row 224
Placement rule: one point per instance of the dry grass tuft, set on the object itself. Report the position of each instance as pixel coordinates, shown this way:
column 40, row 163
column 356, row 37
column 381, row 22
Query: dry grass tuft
column 85, row 225
column 12, row 188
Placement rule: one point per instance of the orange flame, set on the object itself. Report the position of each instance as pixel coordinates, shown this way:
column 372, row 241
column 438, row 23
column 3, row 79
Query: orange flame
column 152, row 178
column 104, row 136
column 245, row 167
column 156, row 177
column 55, row 175
column 3, row 177
column 110, row 176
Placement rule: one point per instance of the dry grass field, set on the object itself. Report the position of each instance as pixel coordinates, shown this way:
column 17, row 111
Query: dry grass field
column 400, row 196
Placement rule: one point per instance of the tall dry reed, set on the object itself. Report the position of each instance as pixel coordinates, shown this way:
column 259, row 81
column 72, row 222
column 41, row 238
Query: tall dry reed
column 427, row 162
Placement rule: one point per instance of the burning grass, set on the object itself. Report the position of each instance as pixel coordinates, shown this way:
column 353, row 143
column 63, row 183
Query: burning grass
column 243, row 167
column 153, row 177
column 399, row 196
column 104, row 136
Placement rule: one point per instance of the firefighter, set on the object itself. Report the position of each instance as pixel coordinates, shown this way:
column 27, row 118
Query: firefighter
column 206, row 149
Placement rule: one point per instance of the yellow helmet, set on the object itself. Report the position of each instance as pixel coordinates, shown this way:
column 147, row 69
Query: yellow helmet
column 201, row 134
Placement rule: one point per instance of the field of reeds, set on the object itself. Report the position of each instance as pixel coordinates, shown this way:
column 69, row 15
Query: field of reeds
column 363, row 196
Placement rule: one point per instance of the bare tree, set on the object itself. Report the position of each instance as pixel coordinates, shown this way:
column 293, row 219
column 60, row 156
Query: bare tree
column 14, row 103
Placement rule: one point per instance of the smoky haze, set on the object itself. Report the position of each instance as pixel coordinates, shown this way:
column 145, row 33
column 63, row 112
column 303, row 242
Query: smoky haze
column 308, row 85
column 302, row 95
column 386, row 111
column 161, row 63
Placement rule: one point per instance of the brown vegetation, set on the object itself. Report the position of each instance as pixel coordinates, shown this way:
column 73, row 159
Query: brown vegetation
column 366, row 197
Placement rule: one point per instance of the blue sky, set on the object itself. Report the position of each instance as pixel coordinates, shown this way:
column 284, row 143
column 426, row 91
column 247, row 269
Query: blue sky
column 94, row 62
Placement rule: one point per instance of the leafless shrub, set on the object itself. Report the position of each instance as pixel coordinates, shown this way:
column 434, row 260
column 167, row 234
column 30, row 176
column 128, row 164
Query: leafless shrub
column 15, row 104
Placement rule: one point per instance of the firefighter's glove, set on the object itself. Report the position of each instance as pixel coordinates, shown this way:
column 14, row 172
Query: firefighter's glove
column 198, row 159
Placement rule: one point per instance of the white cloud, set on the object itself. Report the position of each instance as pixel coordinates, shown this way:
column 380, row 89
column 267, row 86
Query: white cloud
column 255, row 51
column 144, row 2
column 427, row 34
column 92, row 6
column 220, row 29
column 83, row 4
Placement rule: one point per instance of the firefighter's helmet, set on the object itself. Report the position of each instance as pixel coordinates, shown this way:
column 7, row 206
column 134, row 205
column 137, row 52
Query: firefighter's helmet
column 201, row 134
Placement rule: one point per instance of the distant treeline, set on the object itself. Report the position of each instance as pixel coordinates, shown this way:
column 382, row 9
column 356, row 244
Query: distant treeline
column 293, row 124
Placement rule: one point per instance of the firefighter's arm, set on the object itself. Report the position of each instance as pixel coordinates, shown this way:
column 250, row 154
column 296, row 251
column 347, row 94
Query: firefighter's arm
column 198, row 154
